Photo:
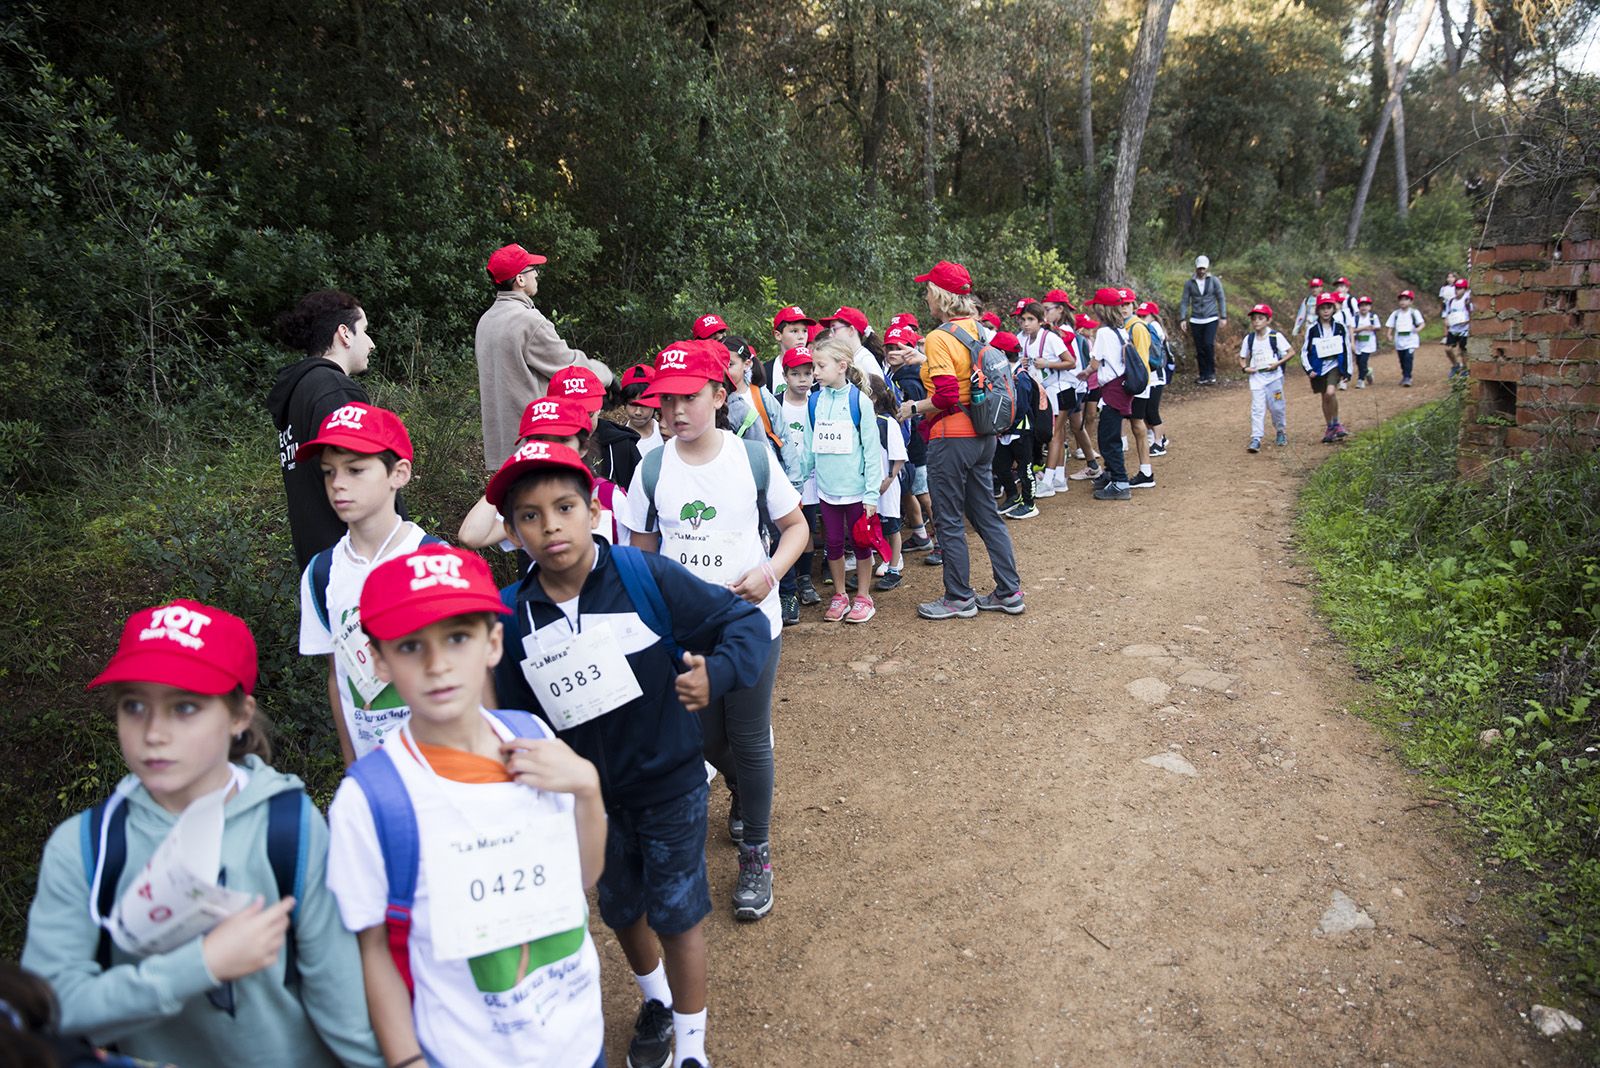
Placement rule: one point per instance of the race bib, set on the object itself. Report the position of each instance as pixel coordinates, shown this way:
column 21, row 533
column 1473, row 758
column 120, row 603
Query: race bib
column 1458, row 317
column 354, row 652
column 832, row 437
column 582, row 679
column 1328, row 348
column 505, row 885
column 717, row 556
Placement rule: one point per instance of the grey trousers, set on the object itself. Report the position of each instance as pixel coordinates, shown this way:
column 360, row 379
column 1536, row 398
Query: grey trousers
column 961, row 480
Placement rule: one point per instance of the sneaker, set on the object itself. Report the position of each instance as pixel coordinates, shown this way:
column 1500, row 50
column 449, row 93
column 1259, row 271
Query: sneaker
column 849, row 561
column 935, row 558
column 1339, row 432
column 735, row 819
column 837, row 608
column 1371, row 379
column 1022, row 510
column 861, row 610
column 806, row 591
column 789, row 608
column 752, row 897
column 945, row 608
column 914, row 544
column 1283, row 438
column 1159, row 448
column 651, row 1046
column 1142, row 481
column 1008, row 504
column 1009, row 603
column 1406, row 382
column 1077, row 454
column 889, row 581
column 1327, row 437
column 1124, row 443
column 1102, row 481
column 1361, row 383
column 1344, row 383
column 1254, row 446
column 1112, row 493
column 1087, row 473
column 1044, row 489
column 1211, row 381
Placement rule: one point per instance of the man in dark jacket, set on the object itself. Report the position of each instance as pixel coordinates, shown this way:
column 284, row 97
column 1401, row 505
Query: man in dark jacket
column 331, row 329
column 1203, row 309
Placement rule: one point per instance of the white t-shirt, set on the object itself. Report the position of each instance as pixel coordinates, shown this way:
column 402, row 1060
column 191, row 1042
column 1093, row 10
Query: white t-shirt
column 707, row 513
column 469, row 1011
column 1367, row 332
column 1258, row 353
column 1458, row 313
column 1108, row 350
column 1158, row 369
column 1447, row 291
column 889, row 500
column 647, row 444
column 867, row 363
column 372, row 714
column 1046, row 346
column 1405, row 322
column 797, row 422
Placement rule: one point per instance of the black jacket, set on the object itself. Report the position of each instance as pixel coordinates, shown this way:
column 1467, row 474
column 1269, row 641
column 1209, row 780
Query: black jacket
column 302, row 397
column 618, row 447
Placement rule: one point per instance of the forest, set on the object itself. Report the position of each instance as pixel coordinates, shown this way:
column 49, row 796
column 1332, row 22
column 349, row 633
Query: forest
column 174, row 175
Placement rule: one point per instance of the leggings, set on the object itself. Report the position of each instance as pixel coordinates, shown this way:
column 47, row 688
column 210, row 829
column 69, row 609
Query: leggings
column 1019, row 453
column 737, row 730
column 1152, row 407
column 838, row 521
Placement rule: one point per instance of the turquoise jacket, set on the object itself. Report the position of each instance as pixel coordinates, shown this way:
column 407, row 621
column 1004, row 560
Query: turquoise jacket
column 856, row 475
column 156, row 1008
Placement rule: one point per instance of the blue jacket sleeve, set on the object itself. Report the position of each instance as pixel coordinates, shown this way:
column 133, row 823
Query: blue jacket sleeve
column 510, row 685
column 732, row 634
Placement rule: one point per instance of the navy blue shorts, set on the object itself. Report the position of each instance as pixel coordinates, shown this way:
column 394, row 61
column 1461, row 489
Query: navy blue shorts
column 656, row 865
column 891, row 525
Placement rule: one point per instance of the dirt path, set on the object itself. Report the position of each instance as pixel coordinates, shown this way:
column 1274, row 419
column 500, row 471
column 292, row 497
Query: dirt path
column 976, row 864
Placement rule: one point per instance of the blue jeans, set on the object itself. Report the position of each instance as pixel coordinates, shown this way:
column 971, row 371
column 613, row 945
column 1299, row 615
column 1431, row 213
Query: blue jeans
column 802, row 566
column 1407, row 357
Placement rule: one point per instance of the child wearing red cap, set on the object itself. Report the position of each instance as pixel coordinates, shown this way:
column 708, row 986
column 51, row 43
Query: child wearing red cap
column 1405, row 330
column 1013, row 454
column 1262, row 355
column 641, row 410
column 463, row 846
column 365, row 456
column 611, row 449
column 790, row 328
column 1458, row 323
column 1044, row 353
column 753, row 411
column 185, row 919
column 1325, row 353
column 1083, row 416
column 637, row 618
column 1138, row 428
column 1161, row 366
column 1107, row 366
column 1366, row 331
column 795, row 587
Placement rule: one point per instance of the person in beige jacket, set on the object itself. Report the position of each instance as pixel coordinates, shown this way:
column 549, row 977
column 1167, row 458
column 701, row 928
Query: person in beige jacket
column 518, row 350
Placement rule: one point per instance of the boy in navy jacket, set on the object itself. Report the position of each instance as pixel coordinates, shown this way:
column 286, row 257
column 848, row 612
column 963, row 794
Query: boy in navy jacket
column 592, row 646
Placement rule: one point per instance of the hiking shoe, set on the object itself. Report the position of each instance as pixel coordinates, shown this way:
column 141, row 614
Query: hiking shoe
column 1254, row 446
column 945, row 608
column 1022, row 510
column 651, row 1046
column 837, row 608
column 1044, row 489
column 1112, row 493
column 789, row 605
column 1339, row 432
column 1142, row 481
column 935, row 558
column 735, row 818
column 1283, row 438
column 806, row 591
column 1159, row 448
column 1008, row 504
column 1009, row 603
column 914, row 544
column 861, row 610
column 889, row 581
column 1327, row 436
column 752, row 897
column 1406, row 382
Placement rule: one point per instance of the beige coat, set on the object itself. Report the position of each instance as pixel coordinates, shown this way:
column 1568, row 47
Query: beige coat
column 518, row 350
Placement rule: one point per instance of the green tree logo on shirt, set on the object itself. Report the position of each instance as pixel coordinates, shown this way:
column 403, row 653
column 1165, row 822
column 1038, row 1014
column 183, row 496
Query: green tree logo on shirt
column 697, row 512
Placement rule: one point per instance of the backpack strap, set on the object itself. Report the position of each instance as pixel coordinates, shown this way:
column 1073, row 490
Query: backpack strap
column 522, row 724
column 650, row 474
column 761, row 471
column 104, row 866
column 766, row 420
column 288, row 833
column 645, row 594
column 395, row 822
column 321, row 572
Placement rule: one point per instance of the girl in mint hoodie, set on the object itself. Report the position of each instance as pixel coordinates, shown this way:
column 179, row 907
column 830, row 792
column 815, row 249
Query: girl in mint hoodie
column 847, row 458
column 278, row 981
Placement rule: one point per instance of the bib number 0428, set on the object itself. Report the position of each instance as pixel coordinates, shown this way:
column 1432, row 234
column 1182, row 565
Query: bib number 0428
column 514, row 881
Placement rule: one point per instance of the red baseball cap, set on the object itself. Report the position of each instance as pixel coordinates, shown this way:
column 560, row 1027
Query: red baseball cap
column 1342, row 282
column 511, row 260
column 868, row 531
column 640, row 374
column 791, row 314
column 1109, row 298
column 992, row 319
column 531, row 456
column 553, row 417
column 186, row 645
column 707, row 325
column 1315, row 283
column 361, row 428
column 1149, row 307
column 798, row 356
column 1059, row 296
column 403, row 595
column 948, row 276
column 1327, row 298
column 902, row 335
column 1363, row 300
column 1406, row 294
column 1022, row 302
column 1462, row 283
column 854, row 316
column 686, row 366
column 1006, row 341
column 1085, row 322
column 578, row 384
column 904, row 319
column 1262, row 309
column 812, row 331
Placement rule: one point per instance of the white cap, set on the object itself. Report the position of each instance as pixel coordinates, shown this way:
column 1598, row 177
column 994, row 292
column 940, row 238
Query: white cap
column 1202, row 261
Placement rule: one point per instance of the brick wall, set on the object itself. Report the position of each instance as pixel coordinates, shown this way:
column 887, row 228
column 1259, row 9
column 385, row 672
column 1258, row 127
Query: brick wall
column 1534, row 350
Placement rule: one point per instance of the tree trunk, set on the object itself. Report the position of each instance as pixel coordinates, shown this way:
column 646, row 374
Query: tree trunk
column 877, row 124
column 1452, row 51
column 1384, row 16
column 1370, row 168
column 1108, row 250
column 1402, row 177
column 929, row 191
column 1049, row 151
column 1086, row 100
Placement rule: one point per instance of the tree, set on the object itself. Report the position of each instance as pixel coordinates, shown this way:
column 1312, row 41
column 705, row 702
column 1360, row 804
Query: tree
column 1375, row 146
column 1108, row 251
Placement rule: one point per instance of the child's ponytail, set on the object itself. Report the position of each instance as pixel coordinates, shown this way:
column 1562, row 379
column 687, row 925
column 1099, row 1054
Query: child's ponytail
column 256, row 738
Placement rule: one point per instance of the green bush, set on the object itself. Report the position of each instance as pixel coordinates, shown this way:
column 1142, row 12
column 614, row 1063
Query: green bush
column 1476, row 606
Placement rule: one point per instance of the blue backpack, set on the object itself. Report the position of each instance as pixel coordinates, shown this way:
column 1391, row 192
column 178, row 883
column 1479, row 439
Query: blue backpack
column 322, row 572
column 395, row 822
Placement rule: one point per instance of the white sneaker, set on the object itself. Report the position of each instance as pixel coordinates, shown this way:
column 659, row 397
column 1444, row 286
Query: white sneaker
column 1361, row 383
column 1077, row 454
column 1043, row 489
column 1343, row 384
column 1059, row 479
column 1124, row 443
column 878, row 571
column 849, row 561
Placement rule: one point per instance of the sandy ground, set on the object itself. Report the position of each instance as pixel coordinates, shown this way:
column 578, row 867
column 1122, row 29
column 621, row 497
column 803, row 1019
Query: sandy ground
column 976, row 863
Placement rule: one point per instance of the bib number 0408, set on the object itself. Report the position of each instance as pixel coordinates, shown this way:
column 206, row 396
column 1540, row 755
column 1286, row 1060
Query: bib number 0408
column 707, row 560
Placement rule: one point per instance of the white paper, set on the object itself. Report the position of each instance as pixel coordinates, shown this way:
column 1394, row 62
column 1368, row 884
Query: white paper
column 1328, row 348
column 717, row 556
column 832, row 438
column 583, row 678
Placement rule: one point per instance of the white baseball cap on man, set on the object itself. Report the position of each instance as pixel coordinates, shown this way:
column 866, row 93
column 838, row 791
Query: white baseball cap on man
column 1202, row 261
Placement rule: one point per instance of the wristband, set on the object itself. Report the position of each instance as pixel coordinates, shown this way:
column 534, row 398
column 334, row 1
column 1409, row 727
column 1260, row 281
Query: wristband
column 767, row 573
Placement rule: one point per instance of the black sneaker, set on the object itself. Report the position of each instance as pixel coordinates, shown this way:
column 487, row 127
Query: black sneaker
column 651, row 1046
column 887, row 581
column 1009, row 503
column 850, row 582
column 789, row 603
column 1101, row 481
column 806, row 591
column 1111, row 493
column 1142, row 481
column 935, row 558
column 914, row 544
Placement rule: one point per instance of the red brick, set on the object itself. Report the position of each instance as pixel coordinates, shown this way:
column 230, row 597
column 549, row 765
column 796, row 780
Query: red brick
column 1549, row 323
column 1520, row 253
column 1520, row 438
column 1594, row 274
column 1580, row 250
column 1561, row 372
column 1486, row 437
column 1470, row 465
column 1521, row 300
column 1519, row 348
column 1587, row 322
column 1586, row 349
column 1589, row 298
column 1495, row 371
column 1562, row 276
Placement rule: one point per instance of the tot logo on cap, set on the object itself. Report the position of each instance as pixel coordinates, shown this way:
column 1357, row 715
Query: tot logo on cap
column 186, row 645
column 533, row 456
column 359, row 428
column 799, row 356
column 791, row 314
column 581, row 385
column 1262, row 309
column 408, row 593
column 708, row 326
column 555, row 418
